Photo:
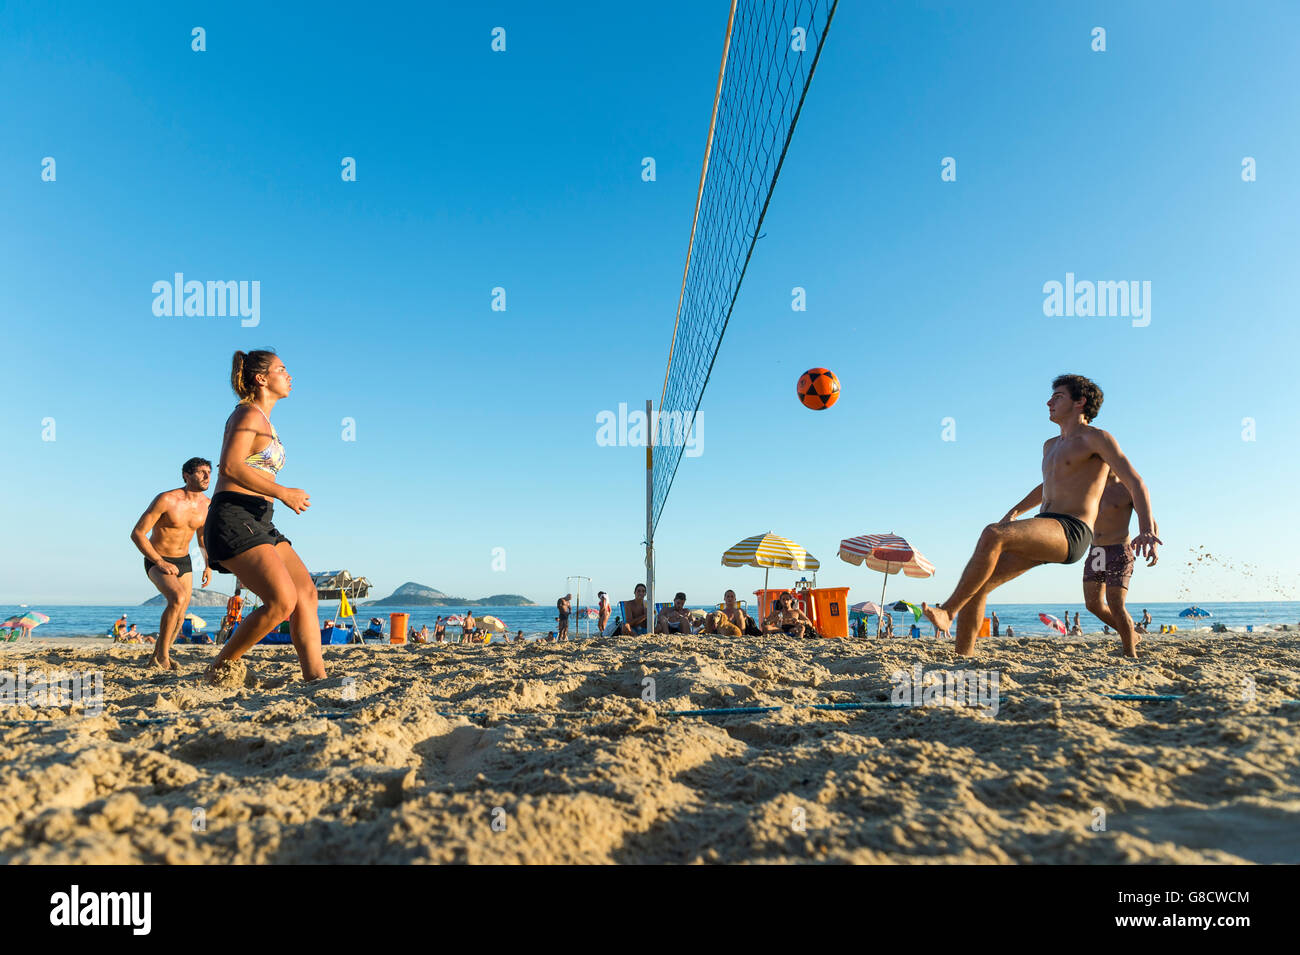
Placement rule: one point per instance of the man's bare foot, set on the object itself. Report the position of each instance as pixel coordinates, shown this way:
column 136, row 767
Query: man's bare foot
column 937, row 616
column 161, row 663
column 226, row 673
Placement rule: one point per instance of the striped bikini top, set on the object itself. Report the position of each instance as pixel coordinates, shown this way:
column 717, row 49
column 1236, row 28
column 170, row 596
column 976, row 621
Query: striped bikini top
column 271, row 458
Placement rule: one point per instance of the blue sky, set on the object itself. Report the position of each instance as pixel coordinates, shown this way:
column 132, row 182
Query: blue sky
column 475, row 429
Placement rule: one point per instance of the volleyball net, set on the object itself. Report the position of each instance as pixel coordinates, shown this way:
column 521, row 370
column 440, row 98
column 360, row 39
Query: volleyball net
column 769, row 56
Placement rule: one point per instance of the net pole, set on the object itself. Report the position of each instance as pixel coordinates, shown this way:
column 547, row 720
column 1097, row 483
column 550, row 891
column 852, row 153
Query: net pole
column 649, row 520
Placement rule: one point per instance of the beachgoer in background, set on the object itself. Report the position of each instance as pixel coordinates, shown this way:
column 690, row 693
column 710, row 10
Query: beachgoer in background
column 551, row 636
column 789, row 619
column 1105, row 628
column 467, row 627
column 676, row 618
column 635, row 625
column 729, row 620
column 1009, row 632
column 241, row 538
column 994, row 621
column 234, row 614
column 1076, row 630
column 889, row 625
column 163, row 534
column 1145, row 622
column 1075, row 466
column 563, row 606
column 439, row 630
column 119, row 626
column 519, row 637
column 1110, row 563
column 423, row 635
column 602, row 613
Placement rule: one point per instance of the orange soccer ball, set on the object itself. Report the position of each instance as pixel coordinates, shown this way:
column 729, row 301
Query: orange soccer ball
column 818, row 388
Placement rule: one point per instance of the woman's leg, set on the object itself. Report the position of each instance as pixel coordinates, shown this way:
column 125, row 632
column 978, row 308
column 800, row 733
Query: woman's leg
column 261, row 570
column 304, row 624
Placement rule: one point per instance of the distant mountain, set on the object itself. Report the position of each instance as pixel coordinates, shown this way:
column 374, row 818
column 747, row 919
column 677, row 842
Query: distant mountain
column 200, row 598
column 411, row 594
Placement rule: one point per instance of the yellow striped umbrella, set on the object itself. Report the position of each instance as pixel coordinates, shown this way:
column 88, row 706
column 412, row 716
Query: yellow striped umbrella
column 769, row 550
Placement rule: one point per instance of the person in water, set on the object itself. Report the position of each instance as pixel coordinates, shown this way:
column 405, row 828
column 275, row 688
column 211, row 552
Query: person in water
column 1075, row 466
column 240, row 536
column 163, row 534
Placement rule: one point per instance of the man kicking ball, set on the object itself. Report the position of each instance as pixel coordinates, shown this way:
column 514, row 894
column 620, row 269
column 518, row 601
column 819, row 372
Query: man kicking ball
column 1075, row 467
column 163, row 534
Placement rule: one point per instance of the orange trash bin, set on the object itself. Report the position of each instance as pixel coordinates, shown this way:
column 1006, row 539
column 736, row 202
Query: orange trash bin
column 397, row 627
column 832, row 611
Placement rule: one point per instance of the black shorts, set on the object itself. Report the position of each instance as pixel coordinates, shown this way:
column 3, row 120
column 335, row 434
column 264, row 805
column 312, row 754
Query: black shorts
column 182, row 564
column 236, row 523
column 1078, row 535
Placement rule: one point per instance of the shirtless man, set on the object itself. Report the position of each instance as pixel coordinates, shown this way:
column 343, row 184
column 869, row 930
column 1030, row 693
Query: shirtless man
column 674, row 619
column 562, row 605
column 787, row 618
column 635, row 625
column 1110, row 564
column 1075, row 466
column 729, row 620
column 163, row 534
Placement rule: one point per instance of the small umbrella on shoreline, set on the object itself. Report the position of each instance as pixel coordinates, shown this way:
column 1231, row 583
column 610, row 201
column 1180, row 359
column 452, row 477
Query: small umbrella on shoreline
column 1052, row 622
column 1195, row 611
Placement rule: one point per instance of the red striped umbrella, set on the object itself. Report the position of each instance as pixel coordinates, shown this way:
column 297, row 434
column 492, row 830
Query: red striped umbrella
column 887, row 553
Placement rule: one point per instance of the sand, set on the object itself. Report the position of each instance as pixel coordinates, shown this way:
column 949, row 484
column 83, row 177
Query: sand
column 364, row 766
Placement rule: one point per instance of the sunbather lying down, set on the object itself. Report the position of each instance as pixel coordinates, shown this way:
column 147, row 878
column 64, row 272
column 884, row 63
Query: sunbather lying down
column 788, row 619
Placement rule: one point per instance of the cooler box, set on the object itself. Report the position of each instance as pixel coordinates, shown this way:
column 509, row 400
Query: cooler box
column 831, row 611
column 331, row 635
column 279, row 635
column 397, row 627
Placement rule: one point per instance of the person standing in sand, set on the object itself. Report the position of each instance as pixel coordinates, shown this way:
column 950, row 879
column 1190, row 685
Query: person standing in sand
column 562, row 605
column 163, row 534
column 602, row 613
column 635, row 624
column 994, row 621
column 241, row 538
column 1075, row 466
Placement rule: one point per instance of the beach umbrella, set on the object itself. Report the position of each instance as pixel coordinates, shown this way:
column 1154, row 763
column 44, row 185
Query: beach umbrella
column 455, row 620
column 887, row 553
column 1195, row 612
column 490, row 623
column 1052, row 622
column 199, row 622
column 26, row 622
column 866, row 608
column 767, row 551
column 903, row 607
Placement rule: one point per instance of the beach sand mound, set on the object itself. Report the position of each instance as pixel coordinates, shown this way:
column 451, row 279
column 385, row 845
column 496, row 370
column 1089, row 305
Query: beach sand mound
column 571, row 753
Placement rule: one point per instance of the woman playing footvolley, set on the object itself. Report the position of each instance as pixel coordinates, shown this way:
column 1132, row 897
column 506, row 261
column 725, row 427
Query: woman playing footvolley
column 240, row 536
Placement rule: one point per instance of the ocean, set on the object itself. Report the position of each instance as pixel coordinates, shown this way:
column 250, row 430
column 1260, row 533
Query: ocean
column 80, row 621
